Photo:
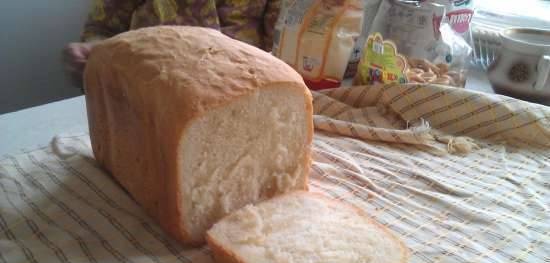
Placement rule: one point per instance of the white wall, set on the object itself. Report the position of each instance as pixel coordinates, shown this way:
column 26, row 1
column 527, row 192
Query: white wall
column 32, row 35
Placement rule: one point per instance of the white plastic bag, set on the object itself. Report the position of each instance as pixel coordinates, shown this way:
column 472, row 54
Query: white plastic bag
column 417, row 42
column 319, row 38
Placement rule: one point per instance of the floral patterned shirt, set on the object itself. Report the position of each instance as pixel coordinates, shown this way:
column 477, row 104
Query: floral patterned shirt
column 251, row 21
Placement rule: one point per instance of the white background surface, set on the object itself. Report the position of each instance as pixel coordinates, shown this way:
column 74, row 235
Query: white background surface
column 29, row 128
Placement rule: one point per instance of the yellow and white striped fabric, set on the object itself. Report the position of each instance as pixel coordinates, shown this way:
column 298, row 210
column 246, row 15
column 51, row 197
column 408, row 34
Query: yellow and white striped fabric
column 459, row 176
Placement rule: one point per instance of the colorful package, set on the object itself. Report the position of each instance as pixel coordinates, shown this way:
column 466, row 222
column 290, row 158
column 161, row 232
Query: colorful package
column 417, row 42
column 321, row 39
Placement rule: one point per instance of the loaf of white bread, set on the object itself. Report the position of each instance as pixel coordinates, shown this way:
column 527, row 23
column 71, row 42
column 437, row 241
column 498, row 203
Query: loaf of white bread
column 195, row 125
column 301, row 227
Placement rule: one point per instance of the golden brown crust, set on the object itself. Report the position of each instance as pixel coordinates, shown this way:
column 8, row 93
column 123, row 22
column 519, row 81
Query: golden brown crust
column 307, row 158
column 143, row 88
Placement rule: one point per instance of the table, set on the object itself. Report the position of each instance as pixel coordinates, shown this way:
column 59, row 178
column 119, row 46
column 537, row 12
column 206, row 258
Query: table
column 33, row 127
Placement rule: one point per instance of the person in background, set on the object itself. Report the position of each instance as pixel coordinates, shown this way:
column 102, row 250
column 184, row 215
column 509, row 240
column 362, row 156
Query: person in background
column 251, row 21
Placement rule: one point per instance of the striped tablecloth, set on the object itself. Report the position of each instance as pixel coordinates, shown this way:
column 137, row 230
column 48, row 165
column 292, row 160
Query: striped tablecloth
column 459, row 176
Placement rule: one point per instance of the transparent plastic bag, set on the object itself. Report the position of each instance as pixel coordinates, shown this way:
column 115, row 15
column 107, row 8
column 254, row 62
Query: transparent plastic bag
column 319, row 38
column 417, row 42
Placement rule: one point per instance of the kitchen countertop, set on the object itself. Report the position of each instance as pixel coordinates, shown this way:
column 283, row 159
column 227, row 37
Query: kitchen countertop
column 33, row 127
column 36, row 126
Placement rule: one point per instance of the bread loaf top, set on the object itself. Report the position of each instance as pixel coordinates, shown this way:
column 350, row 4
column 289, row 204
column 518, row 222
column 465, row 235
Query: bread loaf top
column 201, row 77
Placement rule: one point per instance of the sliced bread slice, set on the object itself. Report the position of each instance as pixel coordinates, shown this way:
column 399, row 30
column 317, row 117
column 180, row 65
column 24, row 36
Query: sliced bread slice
column 302, row 227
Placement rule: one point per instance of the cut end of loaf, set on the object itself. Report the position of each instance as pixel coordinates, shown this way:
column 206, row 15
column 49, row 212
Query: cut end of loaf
column 249, row 150
column 302, row 227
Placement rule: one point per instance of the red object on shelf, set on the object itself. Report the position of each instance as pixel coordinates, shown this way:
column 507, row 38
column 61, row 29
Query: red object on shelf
column 322, row 84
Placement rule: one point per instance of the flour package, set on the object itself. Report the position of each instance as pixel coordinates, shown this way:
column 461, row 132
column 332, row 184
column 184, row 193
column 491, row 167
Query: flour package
column 323, row 39
column 417, row 42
